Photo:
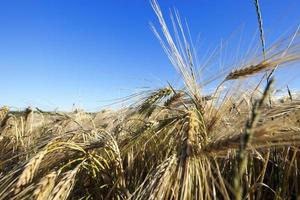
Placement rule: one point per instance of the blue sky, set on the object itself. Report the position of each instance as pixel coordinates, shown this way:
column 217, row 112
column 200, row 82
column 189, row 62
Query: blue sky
column 54, row 53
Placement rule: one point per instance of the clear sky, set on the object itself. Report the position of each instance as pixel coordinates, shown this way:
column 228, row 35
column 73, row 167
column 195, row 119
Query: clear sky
column 54, row 53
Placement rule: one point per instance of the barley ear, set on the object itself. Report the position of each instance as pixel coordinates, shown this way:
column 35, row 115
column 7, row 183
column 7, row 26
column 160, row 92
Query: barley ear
column 29, row 171
column 65, row 186
column 45, row 187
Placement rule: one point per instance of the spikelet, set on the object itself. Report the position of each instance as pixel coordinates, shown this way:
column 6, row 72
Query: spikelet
column 193, row 128
column 65, row 186
column 44, row 187
column 29, row 171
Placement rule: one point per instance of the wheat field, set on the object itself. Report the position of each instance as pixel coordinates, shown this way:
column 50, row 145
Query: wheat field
column 238, row 142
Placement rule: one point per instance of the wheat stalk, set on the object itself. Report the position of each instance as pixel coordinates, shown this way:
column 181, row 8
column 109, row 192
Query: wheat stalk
column 242, row 156
column 260, row 24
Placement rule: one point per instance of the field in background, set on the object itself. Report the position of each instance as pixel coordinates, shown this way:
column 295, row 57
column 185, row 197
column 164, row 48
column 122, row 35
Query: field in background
column 239, row 142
